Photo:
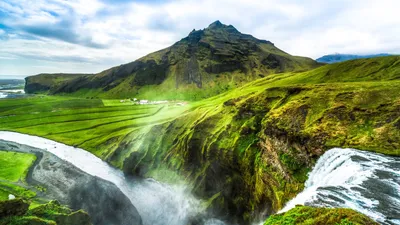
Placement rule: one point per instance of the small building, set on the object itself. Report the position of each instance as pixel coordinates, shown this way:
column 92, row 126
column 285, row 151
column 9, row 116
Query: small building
column 144, row 102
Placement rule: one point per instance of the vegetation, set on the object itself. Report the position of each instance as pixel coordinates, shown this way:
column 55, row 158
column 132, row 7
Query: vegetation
column 14, row 165
column 42, row 83
column 15, row 212
column 13, row 170
column 305, row 215
column 244, row 150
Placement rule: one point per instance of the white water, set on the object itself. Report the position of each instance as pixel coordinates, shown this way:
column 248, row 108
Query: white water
column 3, row 95
column 363, row 181
column 157, row 203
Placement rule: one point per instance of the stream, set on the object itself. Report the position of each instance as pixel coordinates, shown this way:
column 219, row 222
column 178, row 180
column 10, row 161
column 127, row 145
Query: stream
column 364, row 181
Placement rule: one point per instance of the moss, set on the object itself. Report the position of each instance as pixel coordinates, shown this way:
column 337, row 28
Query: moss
column 305, row 215
column 44, row 214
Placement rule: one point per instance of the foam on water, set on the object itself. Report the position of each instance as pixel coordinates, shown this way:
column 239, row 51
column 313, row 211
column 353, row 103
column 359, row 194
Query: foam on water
column 363, row 181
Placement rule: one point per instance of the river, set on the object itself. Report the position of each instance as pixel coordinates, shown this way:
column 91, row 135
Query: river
column 364, row 181
column 157, row 203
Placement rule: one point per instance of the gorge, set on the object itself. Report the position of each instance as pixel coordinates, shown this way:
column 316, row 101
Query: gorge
column 366, row 182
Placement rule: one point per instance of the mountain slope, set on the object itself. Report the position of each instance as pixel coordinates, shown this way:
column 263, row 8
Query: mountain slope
column 247, row 151
column 335, row 58
column 205, row 63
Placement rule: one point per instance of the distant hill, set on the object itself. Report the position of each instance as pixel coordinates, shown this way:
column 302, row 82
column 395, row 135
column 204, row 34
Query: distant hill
column 44, row 82
column 205, row 63
column 334, row 58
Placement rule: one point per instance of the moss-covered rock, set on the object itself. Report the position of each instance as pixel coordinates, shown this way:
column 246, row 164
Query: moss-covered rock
column 305, row 215
column 51, row 213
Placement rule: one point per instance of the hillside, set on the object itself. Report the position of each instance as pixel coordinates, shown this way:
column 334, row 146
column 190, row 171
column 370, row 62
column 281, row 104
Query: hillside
column 335, row 58
column 205, row 63
column 42, row 83
column 246, row 151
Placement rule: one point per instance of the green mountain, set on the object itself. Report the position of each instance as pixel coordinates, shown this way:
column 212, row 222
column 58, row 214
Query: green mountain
column 205, row 63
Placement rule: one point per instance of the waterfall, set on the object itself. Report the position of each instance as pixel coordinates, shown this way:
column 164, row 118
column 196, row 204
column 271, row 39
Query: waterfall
column 157, row 203
column 366, row 182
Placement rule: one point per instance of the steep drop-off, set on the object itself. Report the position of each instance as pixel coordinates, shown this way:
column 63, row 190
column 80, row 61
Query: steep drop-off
column 205, row 63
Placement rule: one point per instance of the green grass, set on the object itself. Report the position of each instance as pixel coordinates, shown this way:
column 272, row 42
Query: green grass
column 13, row 170
column 14, row 165
column 305, row 215
column 251, row 135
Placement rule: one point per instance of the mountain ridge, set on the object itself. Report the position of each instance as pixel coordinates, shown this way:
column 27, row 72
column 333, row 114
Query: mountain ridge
column 335, row 58
column 205, row 63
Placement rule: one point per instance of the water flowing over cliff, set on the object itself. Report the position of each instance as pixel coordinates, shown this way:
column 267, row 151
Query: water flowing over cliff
column 349, row 178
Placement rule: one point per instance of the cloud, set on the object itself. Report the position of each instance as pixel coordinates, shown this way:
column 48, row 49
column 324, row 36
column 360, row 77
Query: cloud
column 102, row 33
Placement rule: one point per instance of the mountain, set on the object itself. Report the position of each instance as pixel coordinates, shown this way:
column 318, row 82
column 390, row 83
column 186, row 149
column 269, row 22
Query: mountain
column 334, row 58
column 205, row 63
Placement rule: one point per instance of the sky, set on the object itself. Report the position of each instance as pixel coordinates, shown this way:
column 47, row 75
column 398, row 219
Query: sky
column 88, row 36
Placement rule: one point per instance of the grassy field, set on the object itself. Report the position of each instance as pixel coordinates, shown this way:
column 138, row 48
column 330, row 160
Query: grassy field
column 13, row 170
column 259, row 140
column 14, row 166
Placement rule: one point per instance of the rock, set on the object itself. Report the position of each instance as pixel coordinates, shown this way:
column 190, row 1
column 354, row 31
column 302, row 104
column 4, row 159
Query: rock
column 14, row 207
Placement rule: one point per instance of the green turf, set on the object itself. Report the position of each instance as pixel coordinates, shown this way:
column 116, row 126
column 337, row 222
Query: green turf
column 14, row 165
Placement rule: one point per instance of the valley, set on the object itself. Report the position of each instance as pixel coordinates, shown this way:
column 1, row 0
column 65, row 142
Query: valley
column 245, row 152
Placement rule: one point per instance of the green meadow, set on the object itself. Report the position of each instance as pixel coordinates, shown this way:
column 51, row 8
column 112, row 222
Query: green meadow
column 13, row 170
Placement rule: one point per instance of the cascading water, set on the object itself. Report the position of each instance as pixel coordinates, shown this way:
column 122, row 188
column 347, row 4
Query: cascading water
column 157, row 203
column 364, row 181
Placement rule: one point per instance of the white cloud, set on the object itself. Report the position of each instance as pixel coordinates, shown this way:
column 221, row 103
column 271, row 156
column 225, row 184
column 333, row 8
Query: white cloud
column 78, row 30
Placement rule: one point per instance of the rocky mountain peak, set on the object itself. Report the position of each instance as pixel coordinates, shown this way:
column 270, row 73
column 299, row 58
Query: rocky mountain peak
column 216, row 24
